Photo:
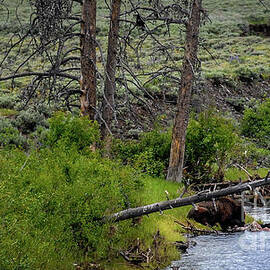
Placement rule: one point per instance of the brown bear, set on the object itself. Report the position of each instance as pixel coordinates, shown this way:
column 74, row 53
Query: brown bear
column 227, row 212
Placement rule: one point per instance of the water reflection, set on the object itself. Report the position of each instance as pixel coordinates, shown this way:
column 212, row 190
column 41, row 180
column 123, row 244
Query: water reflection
column 241, row 251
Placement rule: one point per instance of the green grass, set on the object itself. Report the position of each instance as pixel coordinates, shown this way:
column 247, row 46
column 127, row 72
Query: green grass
column 235, row 174
column 155, row 190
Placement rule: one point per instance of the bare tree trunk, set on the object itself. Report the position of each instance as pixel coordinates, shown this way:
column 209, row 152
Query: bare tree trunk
column 88, row 59
column 109, row 89
column 170, row 204
column 184, row 95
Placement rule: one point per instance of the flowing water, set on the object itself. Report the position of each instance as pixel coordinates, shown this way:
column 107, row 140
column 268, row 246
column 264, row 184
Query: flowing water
column 240, row 251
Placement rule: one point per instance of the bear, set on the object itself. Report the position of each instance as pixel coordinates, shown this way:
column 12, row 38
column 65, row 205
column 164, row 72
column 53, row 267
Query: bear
column 227, row 212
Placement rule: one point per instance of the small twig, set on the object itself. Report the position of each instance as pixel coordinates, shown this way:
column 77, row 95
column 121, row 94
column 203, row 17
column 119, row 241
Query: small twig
column 264, row 5
column 195, row 230
column 24, row 164
column 183, row 192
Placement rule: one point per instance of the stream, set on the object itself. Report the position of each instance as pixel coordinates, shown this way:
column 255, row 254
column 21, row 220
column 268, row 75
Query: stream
column 241, row 251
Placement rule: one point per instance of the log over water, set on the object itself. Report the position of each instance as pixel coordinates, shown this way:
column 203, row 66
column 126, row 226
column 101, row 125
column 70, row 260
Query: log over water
column 170, row 204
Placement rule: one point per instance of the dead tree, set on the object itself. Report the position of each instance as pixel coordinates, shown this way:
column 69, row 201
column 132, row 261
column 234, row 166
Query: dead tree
column 56, row 74
column 67, row 72
column 184, row 95
column 170, row 204
column 110, row 87
column 88, row 59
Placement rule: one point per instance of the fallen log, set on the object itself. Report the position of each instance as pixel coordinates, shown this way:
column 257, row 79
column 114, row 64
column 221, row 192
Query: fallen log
column 170, row 204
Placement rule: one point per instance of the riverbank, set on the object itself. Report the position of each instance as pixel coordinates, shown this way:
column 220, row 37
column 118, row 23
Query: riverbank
column 154, row 246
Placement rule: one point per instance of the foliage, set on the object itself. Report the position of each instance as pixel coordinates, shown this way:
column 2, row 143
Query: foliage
column 51, row 202
column 8, row 101
column 7, row 112
column 20, row 127
column 256, row 123
column 71, row 131
column 210, row 140
column 9, row 135
column 150, row 154
column 236, row 174
column 27, row 121
column 251, row 155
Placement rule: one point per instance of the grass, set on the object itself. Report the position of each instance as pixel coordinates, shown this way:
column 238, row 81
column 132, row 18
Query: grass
column 235, row 174
column 155, row 190
column 223, row 38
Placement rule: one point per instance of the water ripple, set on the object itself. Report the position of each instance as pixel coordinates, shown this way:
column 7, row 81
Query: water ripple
column 241, row 251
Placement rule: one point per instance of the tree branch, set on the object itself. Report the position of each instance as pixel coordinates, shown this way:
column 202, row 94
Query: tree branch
column 40, row 74
column 166, row 205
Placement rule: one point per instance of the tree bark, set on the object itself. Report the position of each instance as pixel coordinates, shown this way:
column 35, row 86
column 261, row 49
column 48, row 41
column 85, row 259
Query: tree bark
column 109, row 89
column 88, row 59
column 184, row 95
column 170, row 204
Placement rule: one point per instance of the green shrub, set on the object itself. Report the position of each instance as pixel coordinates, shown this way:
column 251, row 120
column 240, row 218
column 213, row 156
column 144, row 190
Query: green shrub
column 8, row 101
column 256, row 156
column 9, row 135
column 71, row 131
column 27, row 121
column 36, row 115
column 256, row 123
column 150, row 154
column 51, row 202
column 210, row 141
column 148, row 163
column 209, row 144
column 245, row 74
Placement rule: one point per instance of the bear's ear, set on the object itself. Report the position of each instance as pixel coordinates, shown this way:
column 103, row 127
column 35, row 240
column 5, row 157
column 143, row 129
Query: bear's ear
column 202, row 210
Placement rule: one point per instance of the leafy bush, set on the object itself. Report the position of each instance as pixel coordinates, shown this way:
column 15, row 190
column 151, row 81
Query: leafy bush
column 150, row 154
column 256, row 123
column 8, row 101
column 245, row 74
column 148, row 163
column 27, row 121
column 210, row 140
column 9, row 135
column 71, row 131
column 51, row 202
column 256, row 156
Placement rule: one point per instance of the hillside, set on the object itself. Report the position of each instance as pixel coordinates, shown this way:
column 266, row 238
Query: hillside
column 234, row 55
